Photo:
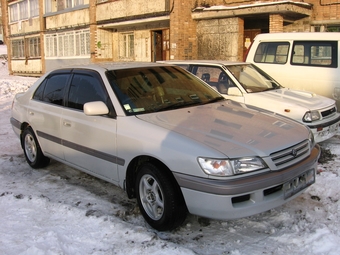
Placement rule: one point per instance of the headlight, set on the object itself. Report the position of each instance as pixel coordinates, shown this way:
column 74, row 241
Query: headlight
column 311, row 140
column 229, row 167
column 311, row 116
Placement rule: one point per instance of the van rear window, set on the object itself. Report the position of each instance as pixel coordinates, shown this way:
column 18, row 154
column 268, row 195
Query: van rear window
column 315, row 53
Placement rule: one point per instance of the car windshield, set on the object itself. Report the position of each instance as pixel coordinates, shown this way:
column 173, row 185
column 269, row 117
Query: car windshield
column 253, row 79
column 153, row 89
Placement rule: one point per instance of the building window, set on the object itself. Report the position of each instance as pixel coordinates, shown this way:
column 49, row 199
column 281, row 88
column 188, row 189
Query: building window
column 18, row 49
column 334, row 28
column 50, row 42
column 34, row 8
column 13, row 13
column 59, row 5
column 68, row 44
column 34, row 47
column 29, row 47
column 83, row 41
column 23, row 10
column 126, row 46
column 78, row 2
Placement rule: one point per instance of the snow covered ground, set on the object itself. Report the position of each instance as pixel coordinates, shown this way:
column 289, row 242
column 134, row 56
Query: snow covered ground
column 61, row 211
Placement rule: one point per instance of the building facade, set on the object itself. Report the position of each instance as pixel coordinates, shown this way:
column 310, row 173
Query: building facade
column 45, row 34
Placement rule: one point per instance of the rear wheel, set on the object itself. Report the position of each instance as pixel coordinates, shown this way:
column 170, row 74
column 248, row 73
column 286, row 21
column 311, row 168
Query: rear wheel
column 159, row 198
column 33, row 154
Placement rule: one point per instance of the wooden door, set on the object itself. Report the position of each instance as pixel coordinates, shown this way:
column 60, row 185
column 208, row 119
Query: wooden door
column 248, row 37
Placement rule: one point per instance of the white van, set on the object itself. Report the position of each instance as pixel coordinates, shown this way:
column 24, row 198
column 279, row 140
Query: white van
column 303, row 61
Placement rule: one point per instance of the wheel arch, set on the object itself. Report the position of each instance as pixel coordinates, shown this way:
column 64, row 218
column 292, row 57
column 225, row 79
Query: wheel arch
column 132, row 170
column 23, row 126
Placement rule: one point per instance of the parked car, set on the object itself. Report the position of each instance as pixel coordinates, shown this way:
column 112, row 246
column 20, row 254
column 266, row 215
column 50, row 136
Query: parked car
column 246, row 83
column 166, row 138
column 304, row 61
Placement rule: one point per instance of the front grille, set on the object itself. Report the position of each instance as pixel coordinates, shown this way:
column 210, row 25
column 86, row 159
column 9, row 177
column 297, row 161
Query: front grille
column 240, row 199
column 291, row 155
column 328, row 112
column 272, row 190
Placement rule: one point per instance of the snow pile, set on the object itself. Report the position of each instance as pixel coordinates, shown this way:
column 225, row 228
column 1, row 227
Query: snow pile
column 8, row 87
column 59, row 210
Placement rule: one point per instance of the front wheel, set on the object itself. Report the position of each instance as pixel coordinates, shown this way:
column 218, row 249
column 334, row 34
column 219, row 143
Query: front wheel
column 159, row 198
column 33, row 154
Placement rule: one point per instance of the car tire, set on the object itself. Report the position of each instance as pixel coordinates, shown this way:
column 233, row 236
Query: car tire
column 33, row 154
column 159, row 198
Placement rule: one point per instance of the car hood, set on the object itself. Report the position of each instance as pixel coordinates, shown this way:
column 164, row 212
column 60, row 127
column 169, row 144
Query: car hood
column 230, row 129
column 285, row 97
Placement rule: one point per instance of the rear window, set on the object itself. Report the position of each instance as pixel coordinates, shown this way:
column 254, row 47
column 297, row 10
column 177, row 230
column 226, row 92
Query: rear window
column 315, row 53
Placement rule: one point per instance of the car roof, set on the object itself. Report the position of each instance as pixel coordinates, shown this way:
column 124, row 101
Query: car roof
column 299, row 36
column 205, row 62
column 104, row 66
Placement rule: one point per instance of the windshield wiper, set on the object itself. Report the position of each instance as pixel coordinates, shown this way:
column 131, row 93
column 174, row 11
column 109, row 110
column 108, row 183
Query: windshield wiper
column 178, row 105
column 216, row 99
column 183, row 104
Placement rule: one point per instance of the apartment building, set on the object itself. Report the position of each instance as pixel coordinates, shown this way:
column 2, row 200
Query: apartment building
column 45, row 34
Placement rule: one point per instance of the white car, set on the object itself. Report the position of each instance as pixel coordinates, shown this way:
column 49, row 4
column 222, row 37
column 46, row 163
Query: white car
column 246, row 83
column 166, row 138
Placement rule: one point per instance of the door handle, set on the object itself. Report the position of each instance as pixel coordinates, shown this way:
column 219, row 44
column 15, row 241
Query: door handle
column 66, row 124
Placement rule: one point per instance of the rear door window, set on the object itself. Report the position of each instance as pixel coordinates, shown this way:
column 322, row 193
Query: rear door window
column 52, row 89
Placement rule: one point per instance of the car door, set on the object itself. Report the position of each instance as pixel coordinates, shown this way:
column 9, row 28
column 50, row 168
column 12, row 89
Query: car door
column 45, row 112
column 89, row 141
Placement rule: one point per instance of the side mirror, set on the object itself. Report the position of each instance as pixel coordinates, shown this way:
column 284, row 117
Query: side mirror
column 234, row 91
column 95, row 108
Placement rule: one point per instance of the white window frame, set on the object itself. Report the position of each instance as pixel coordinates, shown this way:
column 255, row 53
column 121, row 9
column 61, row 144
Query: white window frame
column 13, row 12
column 18, row 48
column 126, row 46
column 54, row 6
column 34, row 50
column 34, row 8
column 71, row 44
column 26, row 48
column 23, row 10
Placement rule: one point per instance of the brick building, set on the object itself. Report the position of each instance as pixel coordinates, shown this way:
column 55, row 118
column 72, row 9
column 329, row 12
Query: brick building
column 44, row 34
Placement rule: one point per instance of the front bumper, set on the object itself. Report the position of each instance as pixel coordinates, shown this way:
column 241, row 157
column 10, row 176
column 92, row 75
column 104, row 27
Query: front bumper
column 242, row 197
column 326, row 130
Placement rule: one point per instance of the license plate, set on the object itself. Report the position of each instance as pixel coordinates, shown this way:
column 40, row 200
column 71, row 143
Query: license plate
column 299, row 183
